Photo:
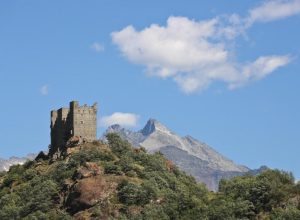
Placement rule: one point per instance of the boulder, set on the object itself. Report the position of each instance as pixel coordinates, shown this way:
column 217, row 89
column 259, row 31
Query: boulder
column 88, row 192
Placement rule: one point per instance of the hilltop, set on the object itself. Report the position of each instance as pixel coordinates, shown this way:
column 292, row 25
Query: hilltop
column 116, row 181
column 192, row 156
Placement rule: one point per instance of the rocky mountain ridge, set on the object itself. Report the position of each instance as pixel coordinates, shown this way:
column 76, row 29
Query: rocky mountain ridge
column 6, row 163
column 192, row 156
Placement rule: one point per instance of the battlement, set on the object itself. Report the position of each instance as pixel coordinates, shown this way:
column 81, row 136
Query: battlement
column 79, row 121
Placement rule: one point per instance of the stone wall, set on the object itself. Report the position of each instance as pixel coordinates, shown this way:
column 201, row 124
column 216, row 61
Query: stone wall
column 85, row 121
column 80, row 121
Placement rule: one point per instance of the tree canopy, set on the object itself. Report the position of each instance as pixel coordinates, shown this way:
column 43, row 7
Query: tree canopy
column 117, row 181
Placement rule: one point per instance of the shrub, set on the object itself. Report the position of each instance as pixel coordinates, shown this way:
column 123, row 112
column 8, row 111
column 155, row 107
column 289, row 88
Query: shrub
column 117, row 145
column 9, row 206
column 90, row 155
column 14, row 174
column 30, row 200
column 61, row 172
column 111, row 168
column 131, row 173
column 29, row 164
column 289, row 213
column 38, row 195
column 132, row 194
column 154, row 212
column 2, row 173
column 29, row 174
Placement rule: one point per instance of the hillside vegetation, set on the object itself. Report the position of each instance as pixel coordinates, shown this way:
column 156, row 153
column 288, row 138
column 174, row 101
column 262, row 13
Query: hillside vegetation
column 115, row 181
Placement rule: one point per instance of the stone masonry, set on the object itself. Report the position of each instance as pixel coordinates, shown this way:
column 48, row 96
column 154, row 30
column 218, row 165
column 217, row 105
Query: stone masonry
column 75, row 121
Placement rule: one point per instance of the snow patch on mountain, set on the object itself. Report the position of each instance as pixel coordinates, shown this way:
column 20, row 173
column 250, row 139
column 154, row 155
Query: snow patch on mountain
column 5, row 164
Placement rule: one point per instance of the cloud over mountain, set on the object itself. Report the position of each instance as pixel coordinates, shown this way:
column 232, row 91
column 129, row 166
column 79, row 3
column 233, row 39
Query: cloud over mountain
column 121, row 118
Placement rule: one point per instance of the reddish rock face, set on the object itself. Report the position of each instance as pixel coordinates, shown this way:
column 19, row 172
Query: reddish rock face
column 89, row 191
column 90, row 169
column 170, row 166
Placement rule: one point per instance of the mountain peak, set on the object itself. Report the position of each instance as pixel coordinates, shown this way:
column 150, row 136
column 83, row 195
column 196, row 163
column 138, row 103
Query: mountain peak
column 153, row 125
column 114, row 128
column 149, row 127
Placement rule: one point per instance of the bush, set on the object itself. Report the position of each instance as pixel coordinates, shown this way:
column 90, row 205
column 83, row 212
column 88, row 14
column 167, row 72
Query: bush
column 131, row 173
column 132, row 194
column 9, row 206
column 154, row 212
column 31, row 200
column 90, row 155
column 117, row 145
column 2, row 173
column 15, row 173
column 29, row 164
column 29, row 174
column 39, row 195
column 289, row 213
column 111, row 168
column 61, row 172
column 261, row 193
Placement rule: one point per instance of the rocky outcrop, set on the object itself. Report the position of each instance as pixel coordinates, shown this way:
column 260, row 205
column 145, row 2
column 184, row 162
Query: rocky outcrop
column 90, row 169
column 87, row 192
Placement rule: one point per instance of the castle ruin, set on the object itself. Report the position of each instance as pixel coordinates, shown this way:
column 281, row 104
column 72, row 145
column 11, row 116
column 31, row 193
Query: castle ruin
column 75, row 121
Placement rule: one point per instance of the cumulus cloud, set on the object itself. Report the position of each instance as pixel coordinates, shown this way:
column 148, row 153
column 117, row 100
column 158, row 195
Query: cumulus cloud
column 123, row 119
column 44, row 90
column 97, row 47
column 197, row 53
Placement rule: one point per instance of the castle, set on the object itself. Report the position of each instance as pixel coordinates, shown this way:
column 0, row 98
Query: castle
column 75, row 121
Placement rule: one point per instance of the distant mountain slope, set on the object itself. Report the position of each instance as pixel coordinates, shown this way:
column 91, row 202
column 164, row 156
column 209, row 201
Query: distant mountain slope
column 6, row 163
column 189, row 154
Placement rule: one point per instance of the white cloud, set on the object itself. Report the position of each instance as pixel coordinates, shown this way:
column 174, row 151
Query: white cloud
column 194, row 53
column 274, row 10
column 180, row 46
column 97, row 47
column 260, row 68
column 44, row 90
column 123, row 119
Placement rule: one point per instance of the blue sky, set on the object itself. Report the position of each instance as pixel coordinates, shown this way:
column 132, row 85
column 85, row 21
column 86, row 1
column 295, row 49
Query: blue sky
column 226, row 73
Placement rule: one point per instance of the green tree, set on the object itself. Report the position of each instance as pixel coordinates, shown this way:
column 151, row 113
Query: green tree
column 117, row 145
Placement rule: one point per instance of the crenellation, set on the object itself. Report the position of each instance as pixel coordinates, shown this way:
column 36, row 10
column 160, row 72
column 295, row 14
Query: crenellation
column 79, row 121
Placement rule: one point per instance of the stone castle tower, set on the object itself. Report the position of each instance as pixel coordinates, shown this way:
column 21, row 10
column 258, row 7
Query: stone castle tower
column 76, row 121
